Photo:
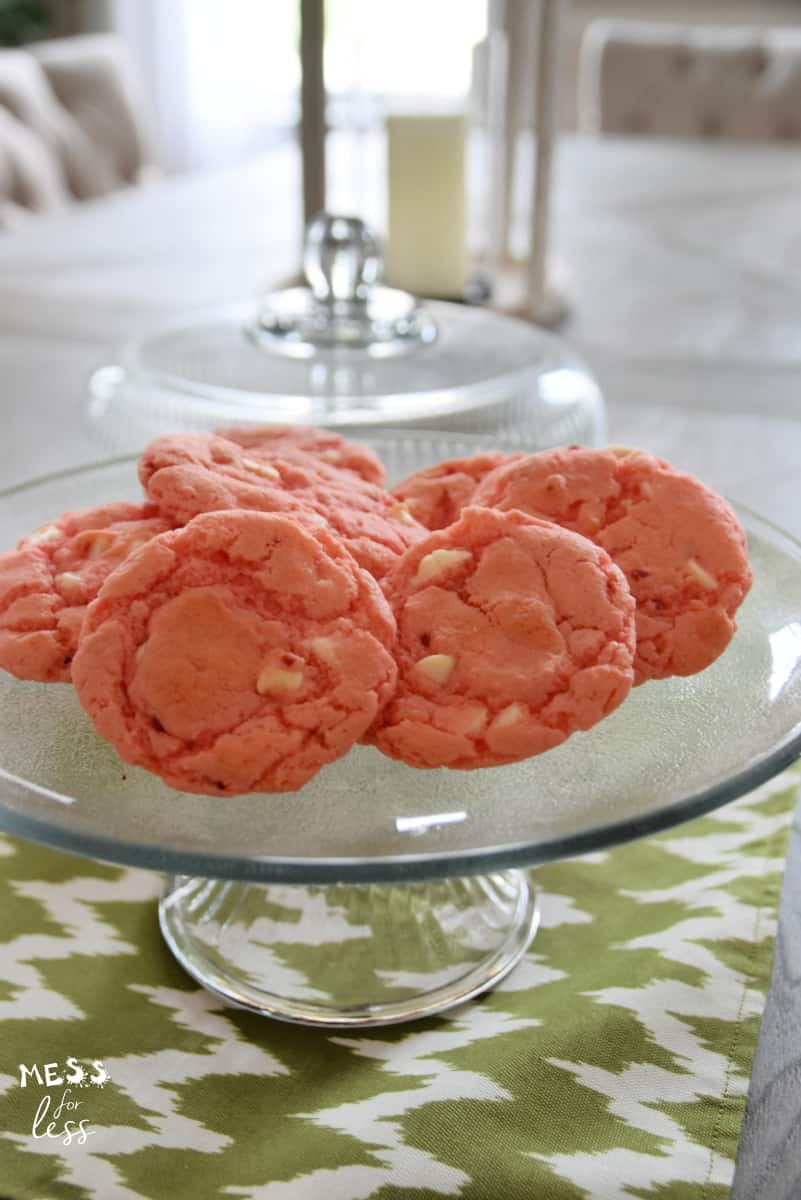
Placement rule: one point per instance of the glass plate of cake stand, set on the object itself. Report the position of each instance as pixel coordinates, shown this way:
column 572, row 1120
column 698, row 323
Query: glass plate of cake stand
column 379, row 893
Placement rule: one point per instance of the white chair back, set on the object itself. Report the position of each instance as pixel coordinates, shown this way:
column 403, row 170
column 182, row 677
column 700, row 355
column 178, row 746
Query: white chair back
column 648, row 78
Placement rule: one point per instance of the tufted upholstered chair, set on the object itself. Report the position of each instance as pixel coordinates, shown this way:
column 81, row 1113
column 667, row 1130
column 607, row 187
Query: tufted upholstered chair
column 73, row 124
column 639, row 77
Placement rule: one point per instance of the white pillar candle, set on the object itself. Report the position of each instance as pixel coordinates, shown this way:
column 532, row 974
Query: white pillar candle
column 426, row 250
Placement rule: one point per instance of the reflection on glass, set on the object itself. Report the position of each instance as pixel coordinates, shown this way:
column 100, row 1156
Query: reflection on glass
column 562, row 385
column 785, row 648
column 416, row 825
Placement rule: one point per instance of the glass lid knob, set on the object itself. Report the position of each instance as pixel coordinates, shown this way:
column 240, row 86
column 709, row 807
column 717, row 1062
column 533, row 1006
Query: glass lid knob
column 343, row 307
column 341, row 259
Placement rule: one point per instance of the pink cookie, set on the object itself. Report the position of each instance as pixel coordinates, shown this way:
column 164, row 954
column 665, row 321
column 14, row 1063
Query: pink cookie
column 47, row 582
column 329, row 447
column 678, row 543
column 436, row 495
column 239, row 654
column 512, row 634
column 193, row 473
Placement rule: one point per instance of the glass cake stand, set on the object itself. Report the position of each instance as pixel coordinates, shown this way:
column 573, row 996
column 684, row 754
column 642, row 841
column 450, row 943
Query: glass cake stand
column 380, row 893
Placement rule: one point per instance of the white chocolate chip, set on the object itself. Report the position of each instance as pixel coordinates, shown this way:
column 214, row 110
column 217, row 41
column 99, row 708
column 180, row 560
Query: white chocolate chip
column 276, row 681
column 705, row 578
column 508, row 716
column 70, row 586
column 400, row 512
column 260, row 468
column 98, row 544
column 330, row 456
column 646, row 489
column 474, row 722
column 324, row 649
column 139, row 653
column 439, row 561
column 436, row 667
column 43, row 535
column 620, row 451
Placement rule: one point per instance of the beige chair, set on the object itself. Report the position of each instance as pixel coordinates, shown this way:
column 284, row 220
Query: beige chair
column 73, row 124
column 639, row 77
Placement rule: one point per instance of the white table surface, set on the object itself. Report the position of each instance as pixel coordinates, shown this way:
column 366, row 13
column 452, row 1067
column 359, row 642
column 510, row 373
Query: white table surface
column 684, row 266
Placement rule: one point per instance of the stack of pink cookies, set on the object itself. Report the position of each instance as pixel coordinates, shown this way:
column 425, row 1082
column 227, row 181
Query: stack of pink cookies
column 269, row 603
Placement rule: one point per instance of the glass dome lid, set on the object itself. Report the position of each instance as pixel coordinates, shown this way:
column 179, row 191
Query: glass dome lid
column 345, row 351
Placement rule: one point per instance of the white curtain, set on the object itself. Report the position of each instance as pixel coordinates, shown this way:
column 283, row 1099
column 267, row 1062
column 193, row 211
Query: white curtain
column 223, row 75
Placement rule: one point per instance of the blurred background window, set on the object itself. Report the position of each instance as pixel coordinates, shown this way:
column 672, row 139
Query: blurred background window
column 225, row 77
column 418, row 51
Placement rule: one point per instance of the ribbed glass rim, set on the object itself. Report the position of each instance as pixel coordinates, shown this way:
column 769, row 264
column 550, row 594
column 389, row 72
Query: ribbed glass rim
column 448, row 400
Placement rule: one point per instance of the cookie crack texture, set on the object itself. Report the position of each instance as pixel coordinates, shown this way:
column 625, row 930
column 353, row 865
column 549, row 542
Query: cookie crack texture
column 240, row 653
column 678, row 543
column 488, row 673
column 46, row 583
column 200, row 473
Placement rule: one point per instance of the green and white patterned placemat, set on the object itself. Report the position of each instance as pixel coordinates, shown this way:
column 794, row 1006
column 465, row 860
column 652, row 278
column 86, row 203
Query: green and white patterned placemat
column 613, row 1062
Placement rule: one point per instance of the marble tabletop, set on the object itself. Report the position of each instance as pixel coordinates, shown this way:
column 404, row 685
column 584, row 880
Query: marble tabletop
column 683, row 265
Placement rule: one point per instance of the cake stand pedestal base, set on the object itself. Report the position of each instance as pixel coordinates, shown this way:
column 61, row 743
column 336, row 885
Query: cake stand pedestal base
column 349, row 955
